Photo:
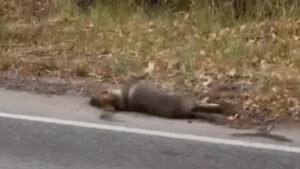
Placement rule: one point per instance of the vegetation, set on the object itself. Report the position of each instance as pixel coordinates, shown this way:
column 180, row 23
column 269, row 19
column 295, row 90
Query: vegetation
column 194, row 49
column 2, row 30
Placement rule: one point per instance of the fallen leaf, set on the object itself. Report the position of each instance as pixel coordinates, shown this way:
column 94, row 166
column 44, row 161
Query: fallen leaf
column 202, row 52
column 233, row 117
column 150, row 68
column 232, row 72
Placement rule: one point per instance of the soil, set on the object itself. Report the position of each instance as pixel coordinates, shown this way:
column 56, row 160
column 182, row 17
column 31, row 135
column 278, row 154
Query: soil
column 50, row 85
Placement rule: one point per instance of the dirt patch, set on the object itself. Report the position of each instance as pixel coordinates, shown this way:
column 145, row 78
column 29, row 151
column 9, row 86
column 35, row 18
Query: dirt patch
column 49, row 85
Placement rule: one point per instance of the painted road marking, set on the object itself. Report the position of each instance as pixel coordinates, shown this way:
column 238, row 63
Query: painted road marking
column 154, row 133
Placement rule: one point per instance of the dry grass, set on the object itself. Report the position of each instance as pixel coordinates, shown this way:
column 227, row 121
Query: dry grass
column 3, row 31
column 192, row 50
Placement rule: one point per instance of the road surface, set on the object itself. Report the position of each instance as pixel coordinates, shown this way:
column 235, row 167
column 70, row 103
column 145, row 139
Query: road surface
column 39, row 132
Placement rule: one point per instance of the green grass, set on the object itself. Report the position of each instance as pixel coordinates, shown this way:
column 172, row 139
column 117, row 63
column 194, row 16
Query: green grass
column 130, row 34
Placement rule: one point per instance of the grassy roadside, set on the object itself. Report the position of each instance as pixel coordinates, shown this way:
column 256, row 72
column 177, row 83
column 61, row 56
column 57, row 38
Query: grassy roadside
column 193, row 50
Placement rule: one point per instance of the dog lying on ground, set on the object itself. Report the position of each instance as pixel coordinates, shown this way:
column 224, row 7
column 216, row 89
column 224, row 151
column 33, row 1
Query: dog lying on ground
column 143, row 96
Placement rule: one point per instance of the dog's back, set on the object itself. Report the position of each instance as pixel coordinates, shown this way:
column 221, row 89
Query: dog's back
column 144, row 96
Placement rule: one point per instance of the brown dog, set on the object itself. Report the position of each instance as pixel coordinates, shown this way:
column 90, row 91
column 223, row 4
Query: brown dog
column 138, row 95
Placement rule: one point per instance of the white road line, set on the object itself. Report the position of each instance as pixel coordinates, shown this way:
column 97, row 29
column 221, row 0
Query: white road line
column 154, row 133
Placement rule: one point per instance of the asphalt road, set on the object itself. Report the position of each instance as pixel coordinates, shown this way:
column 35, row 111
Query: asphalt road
column 37, row 145
column 26, row 144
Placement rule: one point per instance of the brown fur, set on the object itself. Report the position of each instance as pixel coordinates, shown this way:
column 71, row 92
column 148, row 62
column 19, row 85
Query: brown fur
column 107, row 98
column 138, row 95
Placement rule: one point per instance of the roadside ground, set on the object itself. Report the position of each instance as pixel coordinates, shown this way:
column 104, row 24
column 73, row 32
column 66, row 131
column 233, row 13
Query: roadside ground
column 250, row 66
